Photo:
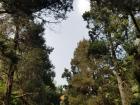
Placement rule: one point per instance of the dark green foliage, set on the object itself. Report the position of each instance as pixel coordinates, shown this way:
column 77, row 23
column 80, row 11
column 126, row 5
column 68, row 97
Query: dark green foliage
column 136, row 102
column 125, row 5
column 34, row 68
column 130, row 49
column 137, row 72
column 6, row 49
column 34, row 71
column 66, row 74
column 98, row 48
column 27, row 7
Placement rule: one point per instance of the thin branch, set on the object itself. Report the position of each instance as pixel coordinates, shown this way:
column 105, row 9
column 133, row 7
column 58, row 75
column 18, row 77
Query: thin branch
column 26, row 94
column 45, row 21
column 3, row 12
column 135, row 22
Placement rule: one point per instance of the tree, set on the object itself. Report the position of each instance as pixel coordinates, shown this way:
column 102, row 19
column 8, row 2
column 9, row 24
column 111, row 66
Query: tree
column 109, row 26
column 20, row 13
column 111, row 41
column 90, row 83
column 129, row 9
column 34, row 69
column 33, row 72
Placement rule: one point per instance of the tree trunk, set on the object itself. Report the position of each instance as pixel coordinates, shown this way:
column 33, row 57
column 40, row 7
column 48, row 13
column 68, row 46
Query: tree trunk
column 7, row 99
column 12, row 68
column 115, row 72
column 121, row 89
column 135, row 23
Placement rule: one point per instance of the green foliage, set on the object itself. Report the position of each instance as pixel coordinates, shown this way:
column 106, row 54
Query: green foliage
column 66, row 74
column 27, row 7
column 130, row 48
column 34, row 70
column 25, row 66
column 136, row 101
column 93, row 84
column 97, row 71
column 98, row 48
column 2, row 88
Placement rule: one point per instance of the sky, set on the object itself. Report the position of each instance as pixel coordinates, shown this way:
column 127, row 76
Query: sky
column 63, row 37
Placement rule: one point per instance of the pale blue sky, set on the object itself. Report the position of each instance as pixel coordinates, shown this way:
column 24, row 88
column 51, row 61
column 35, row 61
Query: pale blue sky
column 64, row 37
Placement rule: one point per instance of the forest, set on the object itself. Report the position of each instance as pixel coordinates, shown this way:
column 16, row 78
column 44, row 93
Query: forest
column 105, row 69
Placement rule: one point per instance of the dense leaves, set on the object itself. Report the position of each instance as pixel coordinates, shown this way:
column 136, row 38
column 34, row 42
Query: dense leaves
column 28, row 7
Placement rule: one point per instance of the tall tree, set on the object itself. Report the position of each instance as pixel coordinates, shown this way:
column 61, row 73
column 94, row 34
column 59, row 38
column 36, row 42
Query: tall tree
column 110, row 33
column 131, row 9
column 20, row 13
column 107, row 25
column 91, row 81
column 33, row 71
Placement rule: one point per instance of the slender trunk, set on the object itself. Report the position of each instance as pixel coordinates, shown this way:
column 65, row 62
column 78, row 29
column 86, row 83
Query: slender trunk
column 121, row 89
column 12, row 68
column 115, row 72
column 9, row 85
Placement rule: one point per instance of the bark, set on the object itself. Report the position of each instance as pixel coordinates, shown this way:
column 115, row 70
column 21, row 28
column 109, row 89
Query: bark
column 135, row 23
column 9, row 85
column 121, row 89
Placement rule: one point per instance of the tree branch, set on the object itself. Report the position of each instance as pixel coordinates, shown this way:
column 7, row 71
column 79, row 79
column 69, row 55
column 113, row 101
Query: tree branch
column 135, row 22
column 26, row 94
column 3, row 12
